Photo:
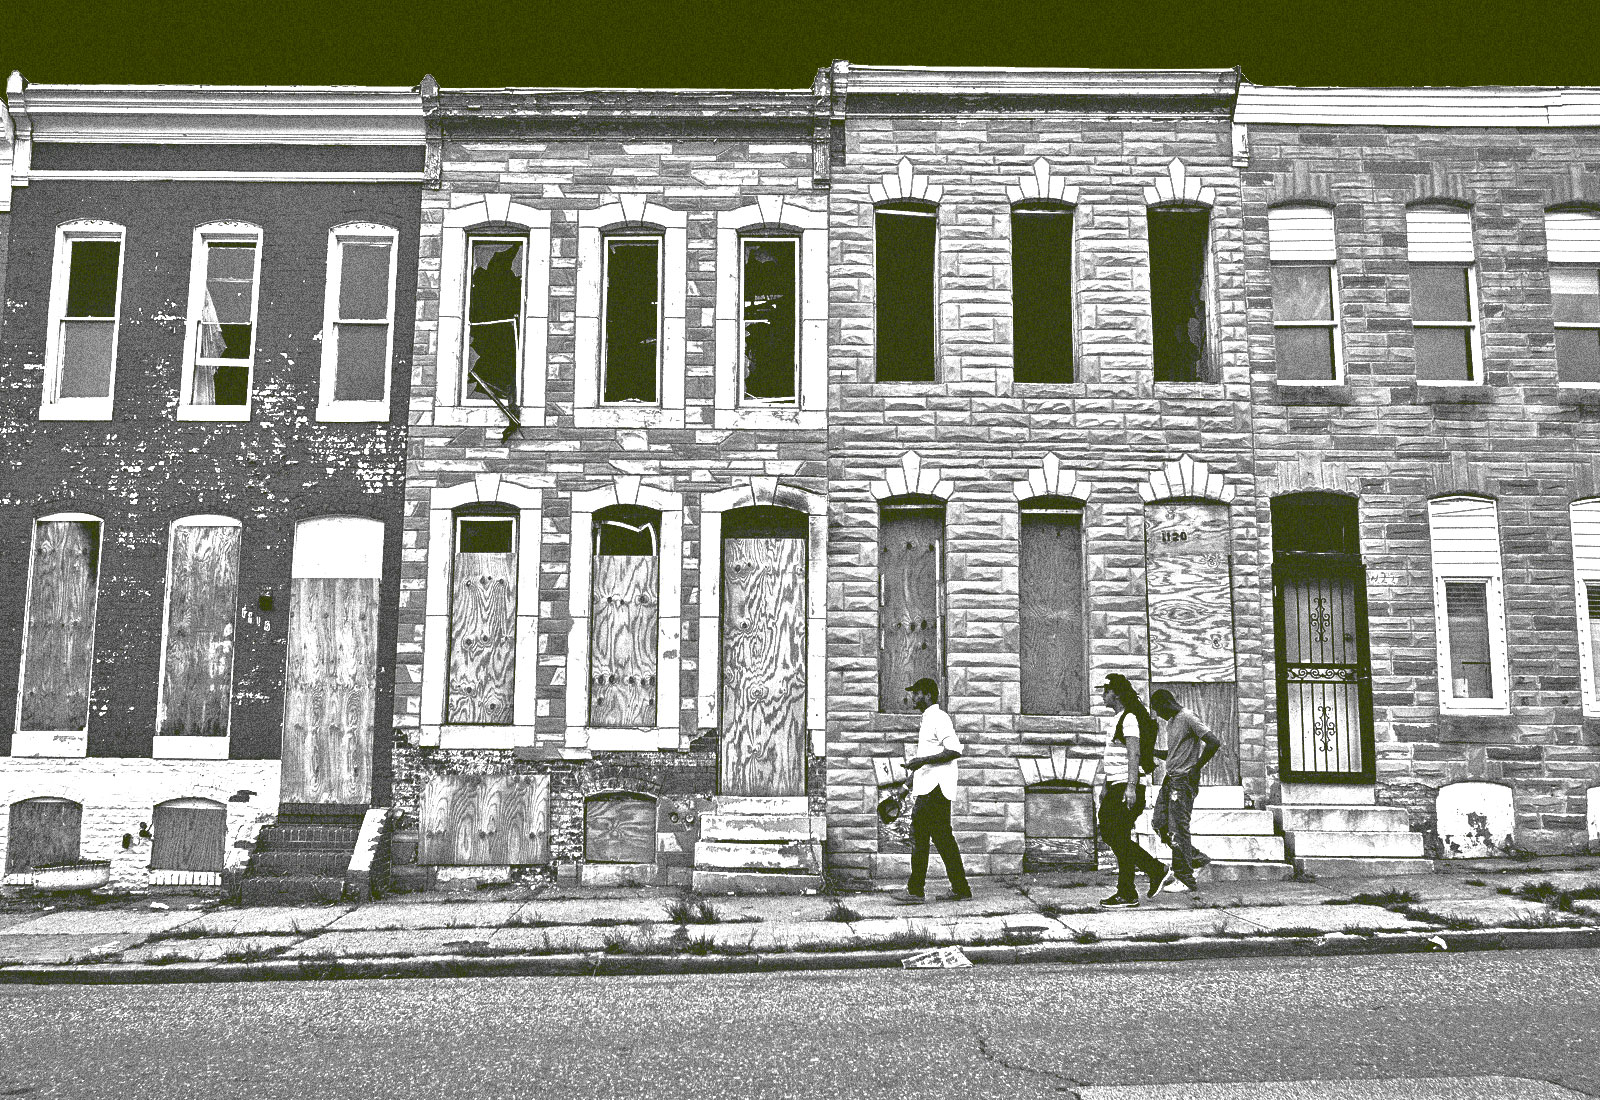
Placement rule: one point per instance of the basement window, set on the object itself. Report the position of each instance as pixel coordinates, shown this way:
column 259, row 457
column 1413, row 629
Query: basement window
column 1178, row 245
column 619, row 828
column 494, row 320
column 1041, row 294
column 906, row 240
column 631, row 321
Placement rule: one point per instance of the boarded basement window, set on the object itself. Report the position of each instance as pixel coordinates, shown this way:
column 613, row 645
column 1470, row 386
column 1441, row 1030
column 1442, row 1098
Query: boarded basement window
column 1054, row 641
column 42, row 832
column 624, row 616
column 1058, row 827
column 190, row 835
column 632, row 319
column 483, row 609
column 485, row 820
column 197, row 665
column 1178, row 293
column 910, row 599
column 1041, row 293
column 905, row 293
column 768, row 323
column 494, row 320
column 619, row 828
column 58, row 647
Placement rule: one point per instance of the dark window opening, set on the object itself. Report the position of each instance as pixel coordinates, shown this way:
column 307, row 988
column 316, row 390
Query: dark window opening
column 633, row 320
column 763, row 521
column 227, row 324
column 627, row 530
column 88, row 327
column 494, row 320
column 905, row 295
column 1315, row 523
column 1178, row 239
column 769, row 322
column 1041, row 294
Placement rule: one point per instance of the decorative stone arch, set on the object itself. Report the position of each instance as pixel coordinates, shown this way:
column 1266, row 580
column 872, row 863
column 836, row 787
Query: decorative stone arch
column 911, row 478
column 905, row 184
column 1187, row 478
column 665, row 734
column 1179, row 187
column 630, row 212
column 1040, row 185
column 774, row 212
column 472, row 210
column 1051, row 479
column 442, row 503
column 765, row 491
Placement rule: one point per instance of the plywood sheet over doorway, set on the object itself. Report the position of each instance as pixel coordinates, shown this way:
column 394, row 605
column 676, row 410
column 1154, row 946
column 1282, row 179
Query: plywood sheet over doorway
column 763, row 666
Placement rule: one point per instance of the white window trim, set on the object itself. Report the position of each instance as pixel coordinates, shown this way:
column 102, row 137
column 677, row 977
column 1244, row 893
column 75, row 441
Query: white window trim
column 759, row 491
column 627, row 215
column 1582, row 326
column 55, row 743
column 1585, row 517
column 218, row 231
column 490, row 209
column 666, row 733
column 1472, row 325
column 1491, row 575
column 442, row 504
column 1336, row 326
column 51, row 405
column 781, row 218
column 187, row 747
column 329, row 408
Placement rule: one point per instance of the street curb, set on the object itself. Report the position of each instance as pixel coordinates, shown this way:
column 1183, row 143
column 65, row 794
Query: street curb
column 601, row 965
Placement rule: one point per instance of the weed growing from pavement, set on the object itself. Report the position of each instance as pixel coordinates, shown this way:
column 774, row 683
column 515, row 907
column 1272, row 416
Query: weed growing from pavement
column 841, row 913
column 177, row 934
column 1476, row 882
column 1051, row 909
column 1294, row 933
column 1394, row 900
column 692, row 910
column 1157, row 937
column 1086, row 936
column 1548, row 893
column 1454, row 924
column 254, row 952
column 1544, row 918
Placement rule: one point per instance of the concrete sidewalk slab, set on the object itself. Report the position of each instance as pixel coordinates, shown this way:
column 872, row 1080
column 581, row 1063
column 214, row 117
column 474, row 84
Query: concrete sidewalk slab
column 1487, row 911
column 1127, row 924
column 575, row 911
column 208, row 949
column 60, row 950
column 267, row 920
column 550, row 941
column 386, row 916
column 433, row 941
column 803, row 935
column 94, row 922
column 1327, row 918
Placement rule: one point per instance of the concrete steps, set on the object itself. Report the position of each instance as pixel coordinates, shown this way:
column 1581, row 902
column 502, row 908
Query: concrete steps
column 754, row 845
column 1340, row 831
column 1354, row 843
column 302, row 857
column 1359, row 867
column 1243, row 844
column 290, row 889
column 1222, row 848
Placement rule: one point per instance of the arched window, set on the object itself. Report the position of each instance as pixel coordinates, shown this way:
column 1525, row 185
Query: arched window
column 1444, row 294
column 1305, row 300
column 1179, row 238
column 358, row 323
column 1054, row 636
column 624, row 615
column 58, row 638
column 220, row 342
column 911, row 607
column 197, row 646
column 483, row 616
column 1469, row 605
column 190, row 834
column 1573, row 240
column 42, row 832
column 85, row 303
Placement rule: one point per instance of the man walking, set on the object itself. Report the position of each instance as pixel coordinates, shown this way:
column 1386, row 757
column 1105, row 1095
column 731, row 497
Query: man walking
column 1189, row 746
column 933, row 784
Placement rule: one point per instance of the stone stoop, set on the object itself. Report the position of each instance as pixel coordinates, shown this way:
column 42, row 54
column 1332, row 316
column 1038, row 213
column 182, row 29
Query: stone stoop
column 1243, row 844
column 303, row 856
column 759, row 846
column 1332, row 832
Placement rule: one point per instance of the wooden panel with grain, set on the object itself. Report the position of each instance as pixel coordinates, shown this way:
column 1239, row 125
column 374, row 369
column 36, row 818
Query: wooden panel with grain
column 1053, row 642
column 42, row 832
column 763, row 667
column 483, row 635
column 910, row 575
column 485, row 820
column 1189, row 592
column 1216, row 706
column 189, row 835
column 622, row 644
column 197, row 671
column 330, row 689
column 619, row 828
column 59, row 651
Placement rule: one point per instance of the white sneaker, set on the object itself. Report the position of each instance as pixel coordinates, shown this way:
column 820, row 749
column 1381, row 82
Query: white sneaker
column 1171, row 884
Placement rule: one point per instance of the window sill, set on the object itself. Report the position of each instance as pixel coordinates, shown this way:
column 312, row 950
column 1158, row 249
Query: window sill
column 774, row 418
column 484, row 416
column 69, row 744
column 1487, row 710
column 214, row 413
column 354, row 412
column 1190, row 389
column 88, row 408
column 1312, row 393
column 1045, row 390
column 476, row 737
column 631, row 739
column 189, row 748
column 1446, row 393
column 1576, row 394
column 623, row 417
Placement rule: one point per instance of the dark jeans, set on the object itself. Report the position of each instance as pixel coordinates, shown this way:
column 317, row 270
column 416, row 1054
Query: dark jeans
column 1116, row 829
column 1174, row 805
column 930, row 821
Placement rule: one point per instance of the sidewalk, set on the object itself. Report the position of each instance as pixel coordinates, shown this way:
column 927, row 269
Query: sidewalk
column 1475, row 905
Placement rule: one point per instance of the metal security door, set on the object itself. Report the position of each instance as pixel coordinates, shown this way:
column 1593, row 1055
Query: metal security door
column 1324, row 674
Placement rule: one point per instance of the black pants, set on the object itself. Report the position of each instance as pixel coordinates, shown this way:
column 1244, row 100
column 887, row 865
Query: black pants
column 1116, row 829
column 930, row 821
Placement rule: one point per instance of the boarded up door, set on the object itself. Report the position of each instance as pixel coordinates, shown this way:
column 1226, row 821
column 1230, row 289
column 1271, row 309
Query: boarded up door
column 622, row 676
column 197, row 671
column 331, row 678
column 42, row 832
column 59, row 650
column 910, row 559
column 763, row 666
column 485, row 820
column 190, row 835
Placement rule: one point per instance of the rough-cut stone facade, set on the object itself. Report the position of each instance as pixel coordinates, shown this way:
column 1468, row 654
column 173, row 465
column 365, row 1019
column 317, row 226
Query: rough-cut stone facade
column 1521, row 438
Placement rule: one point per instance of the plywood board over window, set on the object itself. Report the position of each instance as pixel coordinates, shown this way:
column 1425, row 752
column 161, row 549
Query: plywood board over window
column 58, row 652
column 624, row 616
column 911, row 600
column 1053, row 642
column 485, row 820
column 619, row 828
column 190, row 834
column 42, row 832
column 483, row 600
column 197, row 665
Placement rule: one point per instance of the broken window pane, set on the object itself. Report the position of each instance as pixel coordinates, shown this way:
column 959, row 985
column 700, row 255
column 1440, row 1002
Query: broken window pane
column 227, row 324
column 633, row 320
column 905, row 298
column 769, row 321
column 1041, row 295
column 494, row 314
column 1578, row 354
column 1467, row 608
column 1439, row 293
column 1177, row 294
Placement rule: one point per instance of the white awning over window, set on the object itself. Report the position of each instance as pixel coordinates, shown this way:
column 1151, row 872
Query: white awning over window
column 1573, row 237
column 1466, row 536
column 1439, row 234
column 1300, row 233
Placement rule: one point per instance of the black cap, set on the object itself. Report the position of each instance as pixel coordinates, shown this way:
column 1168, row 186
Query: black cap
column 928, row 684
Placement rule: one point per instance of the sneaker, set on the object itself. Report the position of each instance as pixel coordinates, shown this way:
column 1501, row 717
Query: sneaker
column 1156, row 881
column 1171, row 884
column 1200, row 860
column 956, row 895
column 1119, row 901
column 910, row 897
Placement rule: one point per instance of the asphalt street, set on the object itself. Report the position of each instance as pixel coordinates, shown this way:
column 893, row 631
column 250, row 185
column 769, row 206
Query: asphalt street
column 1520, row 1025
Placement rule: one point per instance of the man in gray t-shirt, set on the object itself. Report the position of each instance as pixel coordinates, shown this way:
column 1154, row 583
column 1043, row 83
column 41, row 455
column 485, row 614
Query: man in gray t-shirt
column 1189, row 746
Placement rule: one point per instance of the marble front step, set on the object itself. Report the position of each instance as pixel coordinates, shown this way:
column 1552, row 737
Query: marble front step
column 1275, row 870
column 1347, row 866
column 1354, row 843
column 755, row 882
column 1328, row 794
column 1343, row 818
column 803, row 855
column 1218, row 822
column 752, row 804
column 1214, row 798
column 761, row 828
column 1249, row 848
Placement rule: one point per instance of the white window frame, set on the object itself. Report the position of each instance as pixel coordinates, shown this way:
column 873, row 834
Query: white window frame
column 57, row 743
column 609, row 239
column 463, row 386
column 330, row 408
column 52, row 406
column 227, row 232
column 1293, row 241
column 1452, row 253
column 1572, row 240
column 630, row 215
column 773, row 217
column 185, row 747
column 1585, row 515
column 1473, row 558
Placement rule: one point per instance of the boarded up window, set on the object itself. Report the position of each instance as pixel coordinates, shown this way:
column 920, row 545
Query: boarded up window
column 483, row 609
column 1054, row 643
column 1178, row 293
column 619, row 828
column 911, row 600
column 362, row 302
column 624, row 617
column 1041, row 294
column 485, row 820
column 89, row 319
column 905, row 294
column 197, row 667
column 494, row 320
column 1058, row 828
column 42, row 832
column 190, row 835
column 632, row 319
column 59, row 647
column 771, row 273
column 226, row 338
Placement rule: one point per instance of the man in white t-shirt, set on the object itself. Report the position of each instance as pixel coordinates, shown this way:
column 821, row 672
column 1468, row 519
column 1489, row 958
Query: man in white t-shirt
column 933, row 782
